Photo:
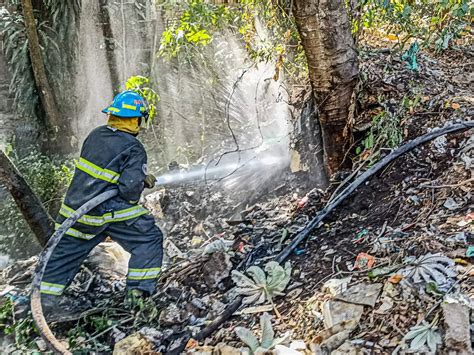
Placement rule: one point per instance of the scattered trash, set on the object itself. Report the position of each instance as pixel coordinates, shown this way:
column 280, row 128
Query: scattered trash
column 361, row 236
column 382, row 271
column 207, row 244
column 362, row 294
column 396, row 278
column 410, row 56
column 450, row 204
column 219, row 245
column 364, row 261
column 302, row 202
column 470, row 251
column 336, row 286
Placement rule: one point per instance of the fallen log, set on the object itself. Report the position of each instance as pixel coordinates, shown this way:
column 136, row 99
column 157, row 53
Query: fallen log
column 27, row 201
column 303, row 234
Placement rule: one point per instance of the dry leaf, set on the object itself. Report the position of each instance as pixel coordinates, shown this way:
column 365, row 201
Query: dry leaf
column 395, row 278
column 192, row 343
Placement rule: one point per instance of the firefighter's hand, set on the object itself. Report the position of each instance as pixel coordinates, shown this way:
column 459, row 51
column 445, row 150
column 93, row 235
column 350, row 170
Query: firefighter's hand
column 150, row 181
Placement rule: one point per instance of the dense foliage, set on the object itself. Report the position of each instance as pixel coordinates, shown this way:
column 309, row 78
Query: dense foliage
column 56, row 26
column 434, row 23
column 272, row 35
column 48, row 177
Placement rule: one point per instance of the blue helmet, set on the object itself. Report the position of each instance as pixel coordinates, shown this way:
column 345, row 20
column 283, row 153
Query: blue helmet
column 127, row 104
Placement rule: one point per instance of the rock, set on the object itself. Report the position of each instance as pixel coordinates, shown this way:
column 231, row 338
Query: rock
column 363, row 294
column 134, row 344
column 387, row 304
column 335, row 312
column 216, row 269
column 171, row 315
column 389, row 294
column 457, row 328
column 108, row 257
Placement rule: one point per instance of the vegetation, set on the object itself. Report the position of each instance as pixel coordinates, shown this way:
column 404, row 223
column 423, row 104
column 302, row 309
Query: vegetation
column 263, row 285
column 141, row 85
column 435, row 23
column 58, row 39
column 267, row 340
column 49, row 178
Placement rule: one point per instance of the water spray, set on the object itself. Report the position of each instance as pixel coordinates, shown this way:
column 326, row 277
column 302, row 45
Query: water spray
column 219, row 173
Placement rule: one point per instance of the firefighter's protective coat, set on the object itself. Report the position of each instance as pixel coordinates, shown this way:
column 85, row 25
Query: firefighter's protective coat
column 110, row 159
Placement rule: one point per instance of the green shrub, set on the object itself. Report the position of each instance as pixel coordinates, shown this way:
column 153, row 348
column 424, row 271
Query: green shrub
column 48, row 177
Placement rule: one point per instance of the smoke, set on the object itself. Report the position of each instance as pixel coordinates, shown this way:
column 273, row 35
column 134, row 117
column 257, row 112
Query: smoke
column 93, row 89
column 226, row 113
column 219, row 111
column 93, row 84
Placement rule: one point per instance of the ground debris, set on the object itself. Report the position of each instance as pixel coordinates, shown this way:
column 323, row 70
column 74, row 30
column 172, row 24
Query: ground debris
column 134, row 344
column 411, row 225
column 457, row 328
column 362, row 294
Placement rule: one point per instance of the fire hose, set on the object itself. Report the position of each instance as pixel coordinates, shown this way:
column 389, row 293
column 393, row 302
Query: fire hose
column 36, row 309
column 58, row 348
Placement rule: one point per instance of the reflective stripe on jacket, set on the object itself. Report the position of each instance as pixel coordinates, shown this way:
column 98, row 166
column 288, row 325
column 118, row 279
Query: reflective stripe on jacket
column 110, row 159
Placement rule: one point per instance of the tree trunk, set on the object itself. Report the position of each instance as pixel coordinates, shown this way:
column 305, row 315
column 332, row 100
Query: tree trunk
column 109, row 45
column 29, row 204
column 326, row 37
column 53, row 117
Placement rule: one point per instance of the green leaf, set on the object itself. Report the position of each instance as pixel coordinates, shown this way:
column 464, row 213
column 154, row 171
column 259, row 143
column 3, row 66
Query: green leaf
column 257, row 274
column 267, row 331
column 419, row 341
column 247, row 337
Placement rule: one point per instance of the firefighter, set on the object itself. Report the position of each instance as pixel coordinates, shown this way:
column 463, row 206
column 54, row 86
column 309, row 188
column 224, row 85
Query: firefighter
column 111, row 158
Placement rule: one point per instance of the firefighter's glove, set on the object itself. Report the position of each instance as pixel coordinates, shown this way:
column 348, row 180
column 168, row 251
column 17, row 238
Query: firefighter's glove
column 150, row 181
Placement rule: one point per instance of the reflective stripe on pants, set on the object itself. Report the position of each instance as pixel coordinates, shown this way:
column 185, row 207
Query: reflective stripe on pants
column 98, row 221
column 51, row 289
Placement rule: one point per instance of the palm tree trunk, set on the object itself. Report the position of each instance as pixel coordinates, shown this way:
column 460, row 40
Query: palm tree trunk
column 53, row 117
column 326, row 37
column 29, row 204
